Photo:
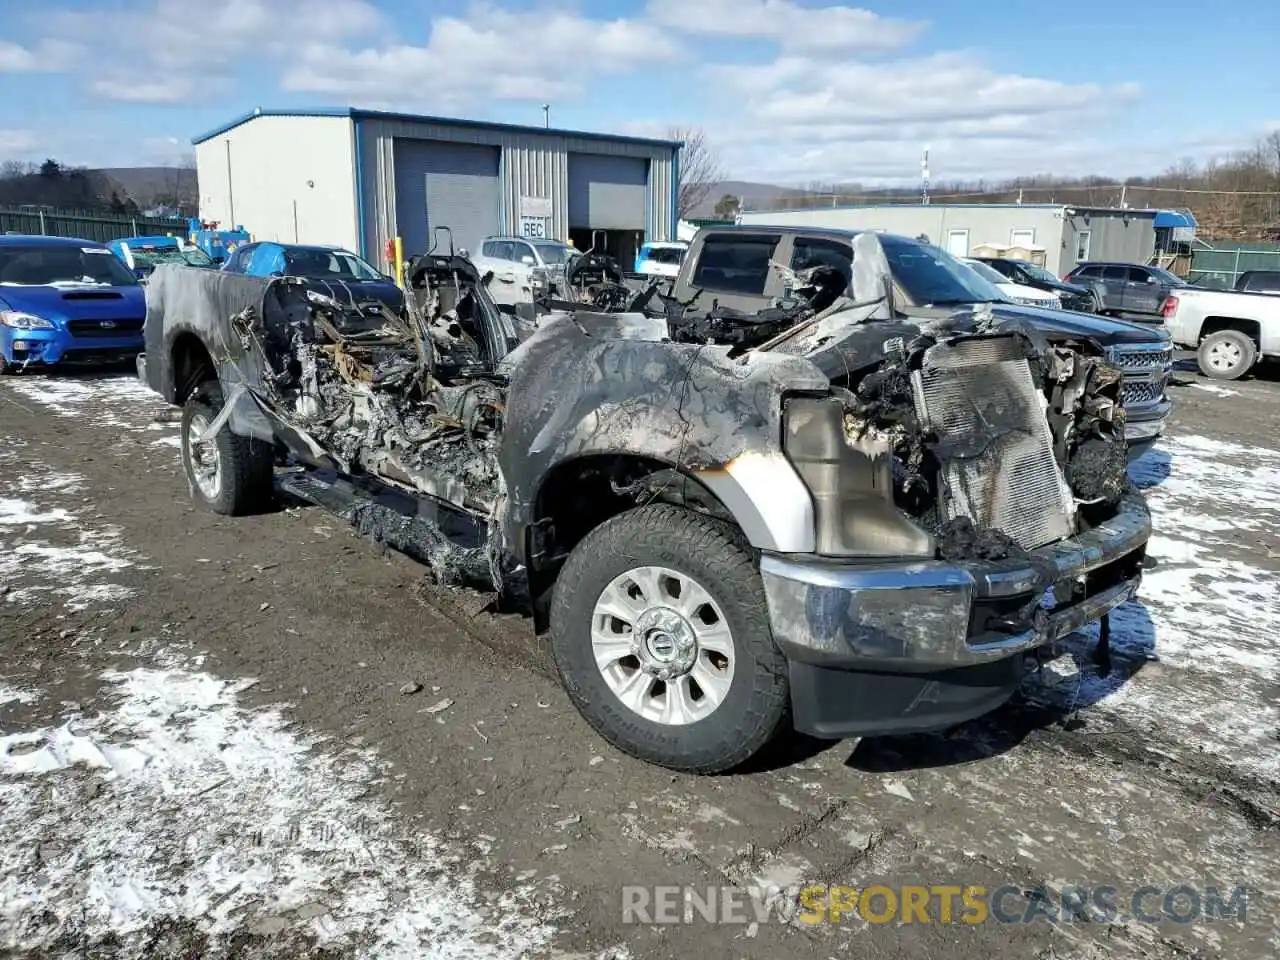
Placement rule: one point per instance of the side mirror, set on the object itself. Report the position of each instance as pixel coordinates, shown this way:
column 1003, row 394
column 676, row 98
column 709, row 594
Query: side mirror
column 488, row 275
column 527, row 260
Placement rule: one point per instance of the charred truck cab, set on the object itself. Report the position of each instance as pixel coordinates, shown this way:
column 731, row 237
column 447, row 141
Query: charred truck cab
column 830, row 514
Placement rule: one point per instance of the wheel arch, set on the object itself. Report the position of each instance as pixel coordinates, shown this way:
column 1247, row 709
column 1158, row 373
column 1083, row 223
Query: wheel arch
column 579, row 494
column 190, row 364
column 1216, row 324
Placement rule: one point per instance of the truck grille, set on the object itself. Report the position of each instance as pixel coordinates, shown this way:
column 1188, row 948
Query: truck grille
column 103, row 328
column 980, row 399
column 1142, row 391
column 1140, row 358
column 1146, row 372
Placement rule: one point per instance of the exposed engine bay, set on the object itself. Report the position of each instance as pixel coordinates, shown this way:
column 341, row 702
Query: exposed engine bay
column 973, row 437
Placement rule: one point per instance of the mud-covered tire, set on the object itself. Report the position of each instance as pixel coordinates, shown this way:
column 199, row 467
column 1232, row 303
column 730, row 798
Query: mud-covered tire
column 243, row 465
column 1226, row 355
column 715, row 557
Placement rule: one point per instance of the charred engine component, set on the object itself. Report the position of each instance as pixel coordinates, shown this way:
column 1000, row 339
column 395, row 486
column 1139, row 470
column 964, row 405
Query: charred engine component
column 596, row 279
column 979, row 399
column 1000, row 444
column 726, row 326
column 1087, row 414
column 407, row 399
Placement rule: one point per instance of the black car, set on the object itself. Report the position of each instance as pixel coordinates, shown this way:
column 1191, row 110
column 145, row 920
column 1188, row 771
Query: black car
column 1074, row 296
column 333, row 271
column 1128, row 288
column 1259, row 281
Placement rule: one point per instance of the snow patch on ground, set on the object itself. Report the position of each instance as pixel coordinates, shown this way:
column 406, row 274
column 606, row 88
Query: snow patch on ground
column 1215, row 389
column 47, row 550
column 246, row 823
column 19, row 512
column 1195, row 655
column 113, row 400
column 10, row 695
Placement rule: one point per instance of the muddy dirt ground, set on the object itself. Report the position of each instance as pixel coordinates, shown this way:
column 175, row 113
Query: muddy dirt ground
column 261, row 737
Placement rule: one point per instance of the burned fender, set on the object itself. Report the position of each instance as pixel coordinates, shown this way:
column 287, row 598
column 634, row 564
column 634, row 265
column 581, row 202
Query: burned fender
column 197, row 302
column 601, row 384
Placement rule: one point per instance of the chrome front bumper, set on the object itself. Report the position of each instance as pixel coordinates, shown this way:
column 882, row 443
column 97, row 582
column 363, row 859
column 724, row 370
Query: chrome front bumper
column 932, row 615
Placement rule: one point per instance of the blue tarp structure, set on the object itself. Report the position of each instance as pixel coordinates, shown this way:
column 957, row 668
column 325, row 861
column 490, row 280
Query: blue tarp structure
column 1174, row 218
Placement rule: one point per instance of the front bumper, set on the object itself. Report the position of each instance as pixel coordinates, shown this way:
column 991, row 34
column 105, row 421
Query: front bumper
column 1145, row 425
column 943, row 641
column 46, row 347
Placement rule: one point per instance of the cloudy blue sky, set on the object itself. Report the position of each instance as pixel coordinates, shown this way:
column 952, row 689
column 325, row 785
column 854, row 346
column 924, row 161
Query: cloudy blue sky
column 789, row 91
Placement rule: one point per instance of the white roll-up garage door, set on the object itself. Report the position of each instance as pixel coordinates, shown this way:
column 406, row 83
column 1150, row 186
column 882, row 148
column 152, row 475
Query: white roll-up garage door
column 442, row 184
column 608, row 193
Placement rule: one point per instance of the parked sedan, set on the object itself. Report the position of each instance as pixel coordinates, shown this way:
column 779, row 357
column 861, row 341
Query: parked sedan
column 1074, row 296
column 66, row 301
column 1128, row 288
column 1015, row 292
column 333, row 271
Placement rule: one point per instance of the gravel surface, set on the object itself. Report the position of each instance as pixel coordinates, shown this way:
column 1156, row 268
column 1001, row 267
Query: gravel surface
column 262, row 737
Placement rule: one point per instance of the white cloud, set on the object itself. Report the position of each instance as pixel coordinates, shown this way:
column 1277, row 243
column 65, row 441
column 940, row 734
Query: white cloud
column 173, row 53
column 838, row 119
column 46, row 56
column 491, row 54
column 16, row 144
column 794, row 27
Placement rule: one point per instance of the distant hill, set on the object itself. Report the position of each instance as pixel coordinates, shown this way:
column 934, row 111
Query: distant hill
column 152, row 186
column 751, row 194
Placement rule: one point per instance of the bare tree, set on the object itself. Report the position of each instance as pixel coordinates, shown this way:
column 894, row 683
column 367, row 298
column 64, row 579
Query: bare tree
column 700, row 168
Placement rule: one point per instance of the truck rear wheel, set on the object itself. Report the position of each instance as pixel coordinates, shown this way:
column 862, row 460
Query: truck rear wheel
column 229, row 474
column 660, row 632
column 1226, row 355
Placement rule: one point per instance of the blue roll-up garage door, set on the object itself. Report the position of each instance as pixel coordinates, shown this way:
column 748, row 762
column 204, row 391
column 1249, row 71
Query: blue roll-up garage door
column 608, row 193
column 441, row 184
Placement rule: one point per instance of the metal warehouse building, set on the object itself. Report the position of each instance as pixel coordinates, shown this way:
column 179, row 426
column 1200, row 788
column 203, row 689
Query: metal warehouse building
column 358, row 177
column 1057, row 235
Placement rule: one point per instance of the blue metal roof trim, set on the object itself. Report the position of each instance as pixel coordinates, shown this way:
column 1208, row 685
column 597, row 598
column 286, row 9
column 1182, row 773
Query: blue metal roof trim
column 260, row 112
column 357, row 113
column 1175, row 218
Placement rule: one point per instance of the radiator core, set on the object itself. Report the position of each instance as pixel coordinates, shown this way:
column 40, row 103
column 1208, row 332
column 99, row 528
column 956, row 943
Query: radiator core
column 996, row 448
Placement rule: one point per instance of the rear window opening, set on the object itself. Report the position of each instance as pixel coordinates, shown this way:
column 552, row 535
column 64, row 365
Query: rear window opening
column 735, row 263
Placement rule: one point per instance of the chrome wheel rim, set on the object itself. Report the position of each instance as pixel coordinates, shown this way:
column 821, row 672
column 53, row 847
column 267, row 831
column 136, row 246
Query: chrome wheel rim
column 662, row 645
column 206, row 462
column 1225, row 355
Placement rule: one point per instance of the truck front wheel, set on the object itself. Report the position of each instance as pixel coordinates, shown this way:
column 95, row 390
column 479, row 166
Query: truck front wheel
column 229, row 474
column 1226, row 355
column 660, row 632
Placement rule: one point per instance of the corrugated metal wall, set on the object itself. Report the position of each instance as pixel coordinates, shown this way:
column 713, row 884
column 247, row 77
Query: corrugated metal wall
column 532, row 165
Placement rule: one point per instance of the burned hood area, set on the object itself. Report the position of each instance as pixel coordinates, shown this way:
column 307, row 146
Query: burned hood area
column 974, row 432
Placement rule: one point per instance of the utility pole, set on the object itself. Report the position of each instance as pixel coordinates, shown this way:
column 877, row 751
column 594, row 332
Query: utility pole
column 924, row 178
column 546, row 115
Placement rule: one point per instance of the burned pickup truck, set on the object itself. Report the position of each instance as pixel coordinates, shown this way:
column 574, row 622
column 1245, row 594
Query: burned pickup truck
column 834, row 516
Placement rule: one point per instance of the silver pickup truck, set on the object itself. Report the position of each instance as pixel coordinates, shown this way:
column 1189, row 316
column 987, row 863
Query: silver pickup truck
column 1229, row 330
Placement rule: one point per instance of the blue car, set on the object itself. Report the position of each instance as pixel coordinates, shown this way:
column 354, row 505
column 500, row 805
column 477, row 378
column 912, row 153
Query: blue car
column 143, row 254
column 66, row 301
column 330, row 270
